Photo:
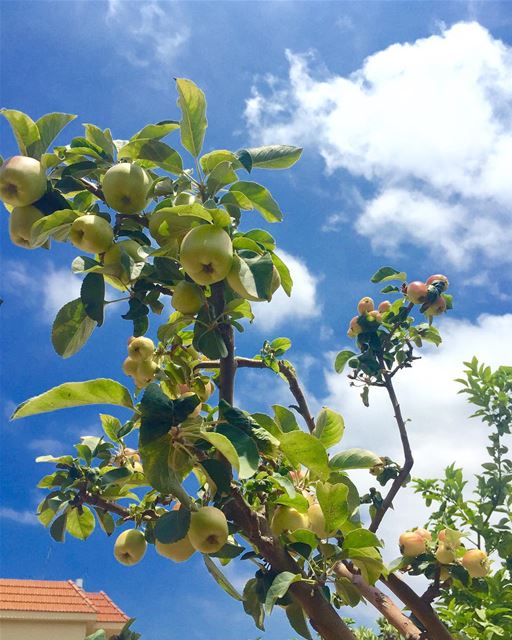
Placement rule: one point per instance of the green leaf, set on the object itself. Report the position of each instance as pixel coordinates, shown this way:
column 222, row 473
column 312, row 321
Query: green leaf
column 155, row 151
column 359, row 538
column 341, row 360
column 118, row 475
column 284, row 273
column 221, row 176
column 260, row 199
column 80, row 525
column 58, row 528
column 388, row 273
column 25, row 131
column 159, row 413
column 155, row 460
column 193, row 122
column 297, row 620
column 333, row 501
column 221, row 579
column 106, row 521
column 369, row 562
column 354, row 459
column 97, row 635
column 285, row 419
column 76, row 394
column 71, row 329
column 245, row 447
column 303, row 448
column 156, row 131
column 101, row 139
column 212, row 159
column 329, row 427
column 92, row 294
column 224, row 445
column 256, row 274
column 347, row 592
column 262, row 237
column 279, row 587
column 448, row 298
column 194, row 210
column 277, row 156
column 252, row 603
column 172, row 526
column 49, row 126
column 56, row 225
column 207, row 337
column 280, row 346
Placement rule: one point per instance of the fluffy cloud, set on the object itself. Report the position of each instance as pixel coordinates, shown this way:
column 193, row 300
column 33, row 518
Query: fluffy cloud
column 21, row 517
column 428, row 123
column 440, row 430
column 302, row 305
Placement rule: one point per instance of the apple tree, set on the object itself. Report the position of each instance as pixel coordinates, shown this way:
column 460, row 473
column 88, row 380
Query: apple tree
column 189, row 472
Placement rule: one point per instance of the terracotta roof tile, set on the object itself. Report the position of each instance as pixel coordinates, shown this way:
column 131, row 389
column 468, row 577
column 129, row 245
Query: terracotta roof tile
column 107, row 610
column 57, row 597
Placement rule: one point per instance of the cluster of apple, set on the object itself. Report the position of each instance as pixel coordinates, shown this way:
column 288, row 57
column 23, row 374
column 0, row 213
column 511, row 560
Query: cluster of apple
column 288, row 519
column 139, row 364
column 207, row 533
column 366, row 309
column 448, row 550
column 429, row 292
column 129, row 458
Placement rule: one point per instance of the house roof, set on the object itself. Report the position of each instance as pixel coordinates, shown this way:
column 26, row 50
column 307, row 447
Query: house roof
column 57, row 597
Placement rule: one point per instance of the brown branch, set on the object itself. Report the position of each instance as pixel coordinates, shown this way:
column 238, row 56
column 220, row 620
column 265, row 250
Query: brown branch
column 105, row 505
column 94, row 189
column 227, row 365
column 288, row 372
column 382, row 602
column 421, row 609
column 408, row 462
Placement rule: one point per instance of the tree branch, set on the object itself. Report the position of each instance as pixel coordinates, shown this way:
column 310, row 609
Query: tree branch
column 288, row 372
column 382, row 602
column 226, row 365
column 421, row 609
column 408, row 462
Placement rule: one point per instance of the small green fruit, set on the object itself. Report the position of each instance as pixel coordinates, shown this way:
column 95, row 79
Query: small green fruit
column 187, row 298
column 125, row 187
column 141, row 349
column 288, row 519
column 22, row 181
column 130, row 547
column 206, row 254
column 208, row 530
column 91, row 233
column 179, row 551
column 21, row 221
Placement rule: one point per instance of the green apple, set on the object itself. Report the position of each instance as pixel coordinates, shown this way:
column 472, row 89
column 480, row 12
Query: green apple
column 235, row 282
column 184, row 198
column 178, row 551
column 187, row 298
column 208, row 530
column 436, row 308
column 130, row 366
column 20, row 224
column 116, row 273
column 91, row 233
column 317, row 522
column 476, row 563
column 141, row 348
column 412, row 544
column 22, row 181
column 288, row 519
column 168, row 228
column 417, row 292
column 130, row 547
column 125, row 187
column 445, row 554
column 365, row 305
column 146, row 371
column 206, row 254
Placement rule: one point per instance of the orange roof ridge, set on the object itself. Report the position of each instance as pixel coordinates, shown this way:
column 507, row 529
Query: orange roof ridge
column 82, row 594
column 108, row 611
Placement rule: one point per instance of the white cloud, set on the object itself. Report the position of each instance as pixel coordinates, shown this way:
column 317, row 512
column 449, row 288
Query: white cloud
column 428, row 123
column 59, row 287
column 21, row 517
column 302, row 305
column 148, row 32
column 48, row 446
column 440, row 430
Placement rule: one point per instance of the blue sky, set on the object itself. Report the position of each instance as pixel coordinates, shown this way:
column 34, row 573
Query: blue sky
column 404, row 113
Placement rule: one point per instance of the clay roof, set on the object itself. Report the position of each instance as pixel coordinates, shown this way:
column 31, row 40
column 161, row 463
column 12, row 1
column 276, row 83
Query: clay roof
column 57, row 597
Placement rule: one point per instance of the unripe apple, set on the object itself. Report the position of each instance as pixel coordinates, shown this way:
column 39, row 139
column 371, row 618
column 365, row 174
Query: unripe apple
column 436, row 308
column 476, row 563
column 184, row 198
column 177, row 551
column 131, row 453
column 445, row 554
column 130, row 366
column 141, row 349
column 417, row 292
column 235, row 282
column 145, row 372
column 21, row 221
column 288, row 519
column 317, row 522
column 355, row 328
column 376, row 315
column 426, row 535
column 438, row 277
column 444, row 574
column 209, row 390
column 206, row 254
column 187, row 297
column 125, row 187
column 208, row 530
column 130, row 547
column 412, row 544
column 116, row 273
column 365, row 305
column 384, row 306
column 91, row 233
column 22, row 181
column 167, row 228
